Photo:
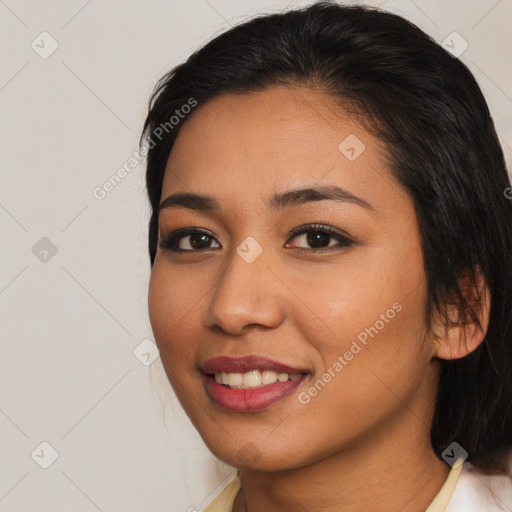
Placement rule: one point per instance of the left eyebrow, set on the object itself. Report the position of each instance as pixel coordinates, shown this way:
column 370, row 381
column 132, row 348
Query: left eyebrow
column 301, row 196
column 278, row 201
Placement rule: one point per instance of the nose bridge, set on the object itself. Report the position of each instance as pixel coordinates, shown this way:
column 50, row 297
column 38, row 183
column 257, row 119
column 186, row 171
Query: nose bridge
column 245, row 293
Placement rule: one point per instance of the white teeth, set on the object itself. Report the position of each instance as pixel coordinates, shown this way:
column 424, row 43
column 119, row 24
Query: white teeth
column 253, row 378
column 268, row 377
column 235, row 379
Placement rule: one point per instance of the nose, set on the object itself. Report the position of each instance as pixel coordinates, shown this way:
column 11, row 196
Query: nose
column 246, row 294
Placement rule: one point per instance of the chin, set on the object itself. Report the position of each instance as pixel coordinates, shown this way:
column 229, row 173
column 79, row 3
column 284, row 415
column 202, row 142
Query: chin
column 249, row 456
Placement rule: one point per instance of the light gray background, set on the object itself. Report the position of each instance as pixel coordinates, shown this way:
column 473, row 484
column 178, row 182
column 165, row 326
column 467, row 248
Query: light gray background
column 70, row 324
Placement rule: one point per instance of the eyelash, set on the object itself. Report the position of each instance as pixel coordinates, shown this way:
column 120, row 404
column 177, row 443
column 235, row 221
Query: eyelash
column 171, row 240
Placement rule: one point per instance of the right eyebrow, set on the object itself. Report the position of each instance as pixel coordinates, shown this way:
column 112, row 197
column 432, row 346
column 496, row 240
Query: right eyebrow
column 192, row 202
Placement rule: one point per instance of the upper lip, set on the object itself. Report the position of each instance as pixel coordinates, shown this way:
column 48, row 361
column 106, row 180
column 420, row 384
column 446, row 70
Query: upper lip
column 244, row 364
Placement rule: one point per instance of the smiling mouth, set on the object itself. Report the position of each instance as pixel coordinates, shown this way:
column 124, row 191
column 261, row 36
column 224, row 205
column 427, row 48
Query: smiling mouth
column 253, row 378
column 249, row 383
column 259, row 396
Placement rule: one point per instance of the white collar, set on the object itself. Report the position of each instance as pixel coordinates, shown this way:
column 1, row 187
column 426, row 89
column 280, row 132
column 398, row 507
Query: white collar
column 477, row 492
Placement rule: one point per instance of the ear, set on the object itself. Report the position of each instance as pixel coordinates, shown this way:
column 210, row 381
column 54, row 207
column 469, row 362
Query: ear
column 460, row 332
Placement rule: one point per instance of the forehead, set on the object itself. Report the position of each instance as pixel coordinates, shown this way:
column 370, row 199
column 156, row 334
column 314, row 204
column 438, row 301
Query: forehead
column 280, row 138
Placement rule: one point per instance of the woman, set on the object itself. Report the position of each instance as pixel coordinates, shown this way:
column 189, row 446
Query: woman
column 331, row 254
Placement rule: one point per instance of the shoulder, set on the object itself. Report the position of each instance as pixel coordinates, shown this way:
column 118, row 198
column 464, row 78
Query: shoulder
column 477, row 492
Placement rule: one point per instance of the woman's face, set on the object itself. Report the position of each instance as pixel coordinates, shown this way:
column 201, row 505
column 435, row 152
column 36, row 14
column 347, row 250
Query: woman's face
column 343, row 310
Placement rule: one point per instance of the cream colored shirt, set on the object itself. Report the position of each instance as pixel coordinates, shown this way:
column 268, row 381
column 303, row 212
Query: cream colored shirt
column 465, row 490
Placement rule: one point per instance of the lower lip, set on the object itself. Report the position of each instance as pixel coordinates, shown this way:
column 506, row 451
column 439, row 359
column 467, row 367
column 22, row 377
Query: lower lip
column 246, row 400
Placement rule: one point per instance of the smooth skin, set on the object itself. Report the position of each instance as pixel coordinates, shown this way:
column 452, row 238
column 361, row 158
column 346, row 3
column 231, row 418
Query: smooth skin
column 362, row 443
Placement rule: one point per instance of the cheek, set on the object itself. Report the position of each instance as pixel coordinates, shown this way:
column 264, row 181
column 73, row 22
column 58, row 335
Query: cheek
column 380, row 329
column 173, row 306
column 161, row 302
column 338, row 303
column 370, row 311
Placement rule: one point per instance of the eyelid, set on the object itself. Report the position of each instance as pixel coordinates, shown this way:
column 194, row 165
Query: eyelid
column 315, row 226
column 340, row 236
column 168, row 239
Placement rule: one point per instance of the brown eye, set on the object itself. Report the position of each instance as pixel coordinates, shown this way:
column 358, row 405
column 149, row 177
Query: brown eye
column 320, row 237
column 187, row 240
